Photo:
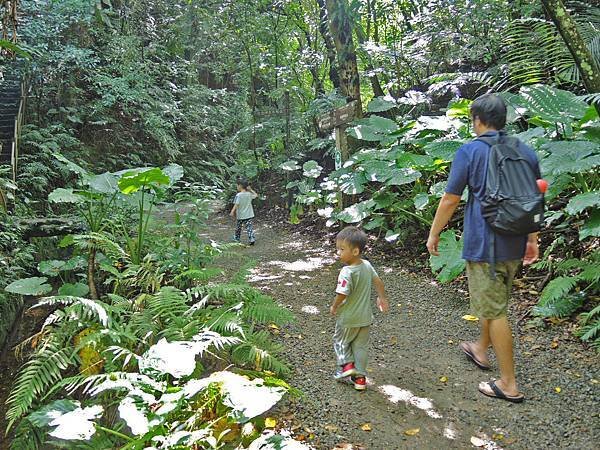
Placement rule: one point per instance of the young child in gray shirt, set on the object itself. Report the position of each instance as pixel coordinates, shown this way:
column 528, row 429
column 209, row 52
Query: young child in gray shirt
column 352, row 307
column 243, row 212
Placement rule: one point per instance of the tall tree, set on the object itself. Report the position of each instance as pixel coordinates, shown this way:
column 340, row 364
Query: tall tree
column 340, row 25
column 329, row 44
column 588, row 68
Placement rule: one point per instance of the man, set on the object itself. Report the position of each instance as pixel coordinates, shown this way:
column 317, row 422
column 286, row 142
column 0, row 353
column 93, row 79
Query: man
column 489, row 287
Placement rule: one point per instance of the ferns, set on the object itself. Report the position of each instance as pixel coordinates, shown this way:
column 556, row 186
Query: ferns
column 261, row 352
column 263, row 309
column 37, row 376
column 590, row 327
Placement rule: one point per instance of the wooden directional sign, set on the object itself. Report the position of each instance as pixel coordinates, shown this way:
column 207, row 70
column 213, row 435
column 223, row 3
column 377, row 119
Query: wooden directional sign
column 338, row 117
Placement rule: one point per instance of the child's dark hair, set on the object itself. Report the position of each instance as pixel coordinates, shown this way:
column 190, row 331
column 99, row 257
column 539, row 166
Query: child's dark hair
column 355, row 237
column 243, row 182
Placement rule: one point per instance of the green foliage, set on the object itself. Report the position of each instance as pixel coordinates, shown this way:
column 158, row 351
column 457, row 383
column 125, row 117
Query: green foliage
column 29, row 286
column 449, row 263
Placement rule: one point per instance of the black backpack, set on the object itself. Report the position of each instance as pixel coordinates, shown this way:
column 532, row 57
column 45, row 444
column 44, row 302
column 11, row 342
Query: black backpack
column 512, row 203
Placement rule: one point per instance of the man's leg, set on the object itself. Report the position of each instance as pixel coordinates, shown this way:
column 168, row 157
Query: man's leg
column 502, row 342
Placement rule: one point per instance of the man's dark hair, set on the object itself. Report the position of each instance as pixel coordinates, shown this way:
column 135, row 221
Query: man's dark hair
column 491, row 110
column 355, row 237
column 243, row 182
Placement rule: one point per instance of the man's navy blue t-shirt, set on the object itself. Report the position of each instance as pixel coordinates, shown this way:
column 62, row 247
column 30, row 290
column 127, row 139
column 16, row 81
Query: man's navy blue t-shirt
column 469, row 168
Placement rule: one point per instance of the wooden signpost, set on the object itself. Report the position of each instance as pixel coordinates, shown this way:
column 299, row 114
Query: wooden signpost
column 338, row 120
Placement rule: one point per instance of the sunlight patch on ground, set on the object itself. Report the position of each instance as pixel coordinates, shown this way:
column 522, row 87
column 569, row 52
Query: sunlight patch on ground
column 255, row 277
column 310, row 309
column 396, row 394
column 302, row 265
column 483, row 441
column 450, row 431
column 296, row 245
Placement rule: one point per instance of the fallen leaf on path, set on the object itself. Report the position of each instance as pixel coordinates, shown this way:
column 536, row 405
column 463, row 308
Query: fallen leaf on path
column 498, row 437
column 444, row 379
column 393, row 340
column 300, row 437
column 270, row 422
column 557, row 389
column 477, row 442
column 594, row 381
column 331, row 428
column 554, row 344
column 450, row 341
column 412, row 431
column 470, row 318
column 366, row 427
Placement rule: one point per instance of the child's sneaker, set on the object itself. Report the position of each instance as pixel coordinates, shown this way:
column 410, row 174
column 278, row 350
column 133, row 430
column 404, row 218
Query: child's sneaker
column 360, row 383
column 251, row 242
column 345, row 371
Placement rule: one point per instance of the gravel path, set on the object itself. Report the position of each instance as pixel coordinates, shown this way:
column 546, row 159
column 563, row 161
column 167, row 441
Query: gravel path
column 418, row 379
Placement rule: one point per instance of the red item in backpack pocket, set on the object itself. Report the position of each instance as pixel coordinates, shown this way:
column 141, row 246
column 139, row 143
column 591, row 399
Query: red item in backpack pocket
column 542, row 185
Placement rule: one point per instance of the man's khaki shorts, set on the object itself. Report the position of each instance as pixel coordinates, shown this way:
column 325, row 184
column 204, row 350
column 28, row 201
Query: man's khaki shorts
column 489, row 296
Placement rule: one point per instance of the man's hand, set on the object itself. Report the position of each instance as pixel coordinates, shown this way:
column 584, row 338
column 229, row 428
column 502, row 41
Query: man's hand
column 383, row 304
column 333, row 310
column 532, row 252
column 432, row 244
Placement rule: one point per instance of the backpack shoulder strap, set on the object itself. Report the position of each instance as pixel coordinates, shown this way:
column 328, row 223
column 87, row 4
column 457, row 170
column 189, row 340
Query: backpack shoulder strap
column 489, row 140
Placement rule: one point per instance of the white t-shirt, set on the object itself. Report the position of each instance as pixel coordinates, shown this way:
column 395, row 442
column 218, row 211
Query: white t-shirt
column 243, row 200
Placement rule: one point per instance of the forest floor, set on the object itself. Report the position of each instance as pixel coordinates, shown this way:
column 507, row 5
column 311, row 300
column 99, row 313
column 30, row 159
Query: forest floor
column 422, row 391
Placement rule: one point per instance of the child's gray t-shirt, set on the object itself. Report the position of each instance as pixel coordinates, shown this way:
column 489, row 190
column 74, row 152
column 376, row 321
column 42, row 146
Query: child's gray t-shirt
column 356, row 282
column 244, row 201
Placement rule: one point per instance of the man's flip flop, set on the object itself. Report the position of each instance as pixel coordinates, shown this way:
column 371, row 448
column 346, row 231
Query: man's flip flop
column 467, row 350
column 497, row 393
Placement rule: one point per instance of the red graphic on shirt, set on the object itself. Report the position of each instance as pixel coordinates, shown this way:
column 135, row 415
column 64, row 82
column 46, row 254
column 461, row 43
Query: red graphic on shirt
column 343, row 283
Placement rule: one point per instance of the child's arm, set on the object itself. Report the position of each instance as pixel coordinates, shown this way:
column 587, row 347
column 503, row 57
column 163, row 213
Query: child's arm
column 339, row 299
column 253, row 192
column 382, row 300
column 233, row 210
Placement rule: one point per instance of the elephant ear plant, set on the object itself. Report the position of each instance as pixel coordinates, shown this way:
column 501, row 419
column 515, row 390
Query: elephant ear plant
column 149, row 186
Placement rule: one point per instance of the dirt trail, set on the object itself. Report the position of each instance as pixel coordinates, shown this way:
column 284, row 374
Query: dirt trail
column 417, row 376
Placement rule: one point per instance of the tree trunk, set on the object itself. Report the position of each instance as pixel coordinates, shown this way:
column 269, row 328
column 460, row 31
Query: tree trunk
column 377, row 90
column 590, row 73
column 341, row 31
column 329, row 45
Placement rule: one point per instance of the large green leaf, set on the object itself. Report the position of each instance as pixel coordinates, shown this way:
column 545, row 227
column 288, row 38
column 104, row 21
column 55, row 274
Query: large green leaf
column 414, row 160
column 380, row 104
column 449, row 263
column 311, row 169
column 352, row 183
column 65, row 195
column 377, row 170
column 105, row 183
column 51, row 267
column 420, row 201
column 290, row 165
column 133, row 181
column 357, row 212
column 591, row 227
column 374, row 128
column 459, row 108
column 570, row 157
column 583, row 201
column 74, row 289
column 552, row 104
column 400, row 176
column 174, row 172
column 29, row 286
column 443, row 149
